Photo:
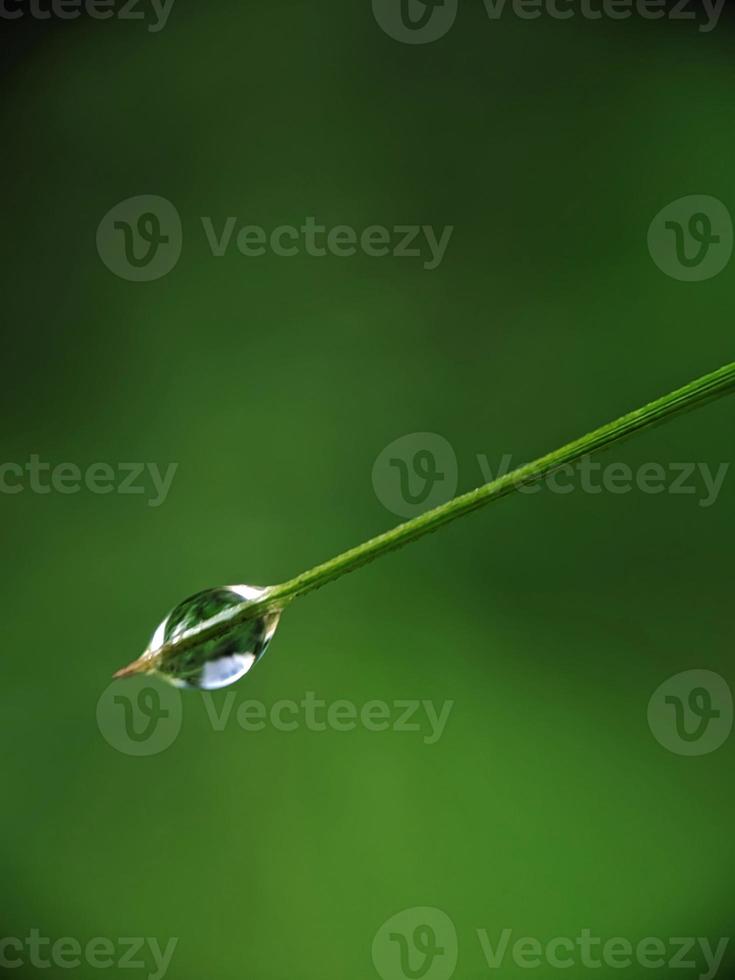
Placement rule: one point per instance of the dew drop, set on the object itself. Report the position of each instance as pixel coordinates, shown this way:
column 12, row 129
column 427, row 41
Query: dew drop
column 213, row 663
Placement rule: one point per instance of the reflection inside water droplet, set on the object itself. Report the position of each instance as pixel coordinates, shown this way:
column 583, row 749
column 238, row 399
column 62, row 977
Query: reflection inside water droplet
column 213, row 663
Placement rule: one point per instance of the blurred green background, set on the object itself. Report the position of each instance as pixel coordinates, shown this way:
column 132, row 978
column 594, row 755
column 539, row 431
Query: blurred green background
column 547, row 806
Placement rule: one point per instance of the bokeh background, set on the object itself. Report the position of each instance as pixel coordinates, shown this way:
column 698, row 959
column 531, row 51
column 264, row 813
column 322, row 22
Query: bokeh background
column 547, row 806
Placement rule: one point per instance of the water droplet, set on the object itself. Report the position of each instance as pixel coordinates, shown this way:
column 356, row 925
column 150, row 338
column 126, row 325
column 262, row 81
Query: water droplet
column 213, row 663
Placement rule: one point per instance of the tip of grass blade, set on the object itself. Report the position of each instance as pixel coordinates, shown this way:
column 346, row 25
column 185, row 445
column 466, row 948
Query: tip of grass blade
column 136, row 667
